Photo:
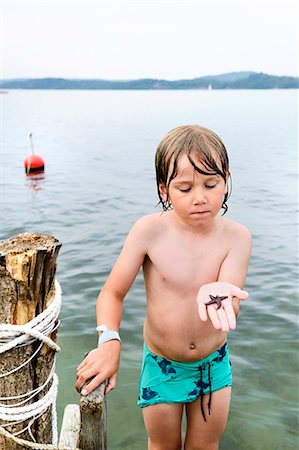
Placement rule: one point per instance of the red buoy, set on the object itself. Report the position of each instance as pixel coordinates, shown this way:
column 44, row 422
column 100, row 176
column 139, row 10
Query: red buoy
column 34, row 164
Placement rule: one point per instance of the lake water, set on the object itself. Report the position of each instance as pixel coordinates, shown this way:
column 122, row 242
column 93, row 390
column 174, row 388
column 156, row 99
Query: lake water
column 99, row 148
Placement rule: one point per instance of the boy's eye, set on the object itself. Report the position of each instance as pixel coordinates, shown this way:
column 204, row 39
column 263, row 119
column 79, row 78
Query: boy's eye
column 210, row 186
column 184, row 189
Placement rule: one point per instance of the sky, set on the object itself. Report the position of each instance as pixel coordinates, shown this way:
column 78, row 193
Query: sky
column 169, row 39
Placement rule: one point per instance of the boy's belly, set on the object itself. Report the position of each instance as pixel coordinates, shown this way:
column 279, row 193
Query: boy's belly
column 181, row 337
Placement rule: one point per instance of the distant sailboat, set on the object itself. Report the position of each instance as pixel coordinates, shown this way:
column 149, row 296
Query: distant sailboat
column 210, row 87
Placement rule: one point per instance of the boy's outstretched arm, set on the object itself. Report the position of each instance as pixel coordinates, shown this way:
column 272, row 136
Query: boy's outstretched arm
column 231, row 280
column 102, row 363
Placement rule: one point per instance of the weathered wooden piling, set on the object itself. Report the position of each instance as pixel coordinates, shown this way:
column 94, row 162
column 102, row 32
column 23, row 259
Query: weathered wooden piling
column 93, row 435
column 85, row 426
column 27, row 288
column 70, row 428
column 27, row 275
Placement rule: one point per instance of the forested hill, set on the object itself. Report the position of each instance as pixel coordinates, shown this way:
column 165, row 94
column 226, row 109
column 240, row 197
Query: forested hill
column 233, row 80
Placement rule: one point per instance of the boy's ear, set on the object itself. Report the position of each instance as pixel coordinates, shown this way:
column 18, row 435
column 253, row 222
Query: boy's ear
column 226, row 183
column 163, row 192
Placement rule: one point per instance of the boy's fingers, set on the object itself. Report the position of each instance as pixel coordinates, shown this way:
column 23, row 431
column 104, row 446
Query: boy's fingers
column 86, row 361
column 79, row 384
column 202, row 311
column 81, row 370
column 83, row 364
column 96, row 381
column 111, row 384
column 214, row 317
column 223, row 319
column 88, row 374
column 239, row 293
column 230, row 314
column 85, row 375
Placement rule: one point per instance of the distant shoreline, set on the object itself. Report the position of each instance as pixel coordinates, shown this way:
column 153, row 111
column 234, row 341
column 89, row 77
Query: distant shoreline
column 233, row 80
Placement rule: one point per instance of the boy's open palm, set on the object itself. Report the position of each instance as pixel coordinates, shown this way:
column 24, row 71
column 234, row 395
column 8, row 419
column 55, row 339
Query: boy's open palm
column 223, row 318
column 100, row 364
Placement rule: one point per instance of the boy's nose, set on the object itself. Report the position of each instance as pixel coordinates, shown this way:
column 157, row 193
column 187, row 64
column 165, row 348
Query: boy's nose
column 199, row 197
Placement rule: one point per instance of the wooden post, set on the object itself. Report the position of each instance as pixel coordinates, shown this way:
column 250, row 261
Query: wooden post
column 70, row 428
column 85, row 426
column 93, row 433
column 27, row 275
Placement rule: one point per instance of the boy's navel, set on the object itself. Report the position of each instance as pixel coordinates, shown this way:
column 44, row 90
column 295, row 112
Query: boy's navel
column 192, row 346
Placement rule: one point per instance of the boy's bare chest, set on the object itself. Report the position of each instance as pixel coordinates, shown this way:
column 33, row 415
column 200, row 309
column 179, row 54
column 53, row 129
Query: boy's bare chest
column 187, row 264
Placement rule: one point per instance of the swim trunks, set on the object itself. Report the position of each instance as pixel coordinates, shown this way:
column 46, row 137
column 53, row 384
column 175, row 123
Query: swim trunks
column 166, row 381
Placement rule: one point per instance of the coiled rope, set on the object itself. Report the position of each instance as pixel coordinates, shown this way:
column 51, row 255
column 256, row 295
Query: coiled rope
column 12, row 336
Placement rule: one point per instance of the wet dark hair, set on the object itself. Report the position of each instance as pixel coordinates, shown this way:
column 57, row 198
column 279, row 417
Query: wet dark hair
column 192, row 140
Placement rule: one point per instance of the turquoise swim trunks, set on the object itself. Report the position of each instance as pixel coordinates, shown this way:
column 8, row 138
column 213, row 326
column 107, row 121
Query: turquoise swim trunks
column 166, row 381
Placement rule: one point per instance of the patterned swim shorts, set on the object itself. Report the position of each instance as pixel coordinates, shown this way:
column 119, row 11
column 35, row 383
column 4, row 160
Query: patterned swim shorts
column 166, row 381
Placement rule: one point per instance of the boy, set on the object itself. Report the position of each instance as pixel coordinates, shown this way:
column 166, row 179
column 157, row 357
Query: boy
column 194, row 265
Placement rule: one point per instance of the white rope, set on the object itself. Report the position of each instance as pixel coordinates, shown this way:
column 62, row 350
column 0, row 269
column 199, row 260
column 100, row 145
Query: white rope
column 22, row 365
column 32, row 445
column 11, row 414
column 30, row 394
column 12, row 336
column 39, row 328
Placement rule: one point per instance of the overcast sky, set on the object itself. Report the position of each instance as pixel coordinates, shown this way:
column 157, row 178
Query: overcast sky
column 168, row 39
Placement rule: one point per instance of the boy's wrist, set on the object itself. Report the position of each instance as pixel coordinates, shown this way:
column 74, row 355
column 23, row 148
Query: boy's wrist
column 107, row 335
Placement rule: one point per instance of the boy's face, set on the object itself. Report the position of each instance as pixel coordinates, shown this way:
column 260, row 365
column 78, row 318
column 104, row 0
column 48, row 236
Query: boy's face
column 195, row 198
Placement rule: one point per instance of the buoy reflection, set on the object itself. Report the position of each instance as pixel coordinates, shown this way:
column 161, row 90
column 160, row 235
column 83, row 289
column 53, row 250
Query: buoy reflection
column 36, row 180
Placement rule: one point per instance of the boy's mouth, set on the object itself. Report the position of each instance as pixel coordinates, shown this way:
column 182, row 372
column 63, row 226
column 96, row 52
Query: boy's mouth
column 199, row 213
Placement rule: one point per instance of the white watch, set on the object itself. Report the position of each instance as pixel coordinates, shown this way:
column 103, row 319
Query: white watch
column 107, row 335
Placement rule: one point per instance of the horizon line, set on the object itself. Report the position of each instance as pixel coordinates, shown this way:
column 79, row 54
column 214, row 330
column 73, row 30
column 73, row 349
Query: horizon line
column 142, row 78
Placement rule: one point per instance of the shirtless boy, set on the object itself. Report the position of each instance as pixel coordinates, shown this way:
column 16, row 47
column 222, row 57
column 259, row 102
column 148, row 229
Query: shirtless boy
column 194, row 264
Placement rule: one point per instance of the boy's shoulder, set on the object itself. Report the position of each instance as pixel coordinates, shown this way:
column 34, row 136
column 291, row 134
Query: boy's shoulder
column 150, row 222
column 147, row 229
column 235, row 229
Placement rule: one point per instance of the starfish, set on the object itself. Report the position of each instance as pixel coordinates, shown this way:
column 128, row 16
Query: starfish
column 216, row 300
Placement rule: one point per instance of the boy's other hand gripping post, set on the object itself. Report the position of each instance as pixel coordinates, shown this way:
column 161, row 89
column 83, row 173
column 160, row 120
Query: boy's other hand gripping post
column 100, row 364
column 224, row 317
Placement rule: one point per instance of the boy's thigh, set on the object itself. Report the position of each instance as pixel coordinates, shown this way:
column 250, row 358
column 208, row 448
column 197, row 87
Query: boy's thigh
column 163, row 425
column 206, row 435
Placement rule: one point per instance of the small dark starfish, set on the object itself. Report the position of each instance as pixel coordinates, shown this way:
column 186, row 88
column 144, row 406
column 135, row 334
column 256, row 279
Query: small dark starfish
column 216, row 300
